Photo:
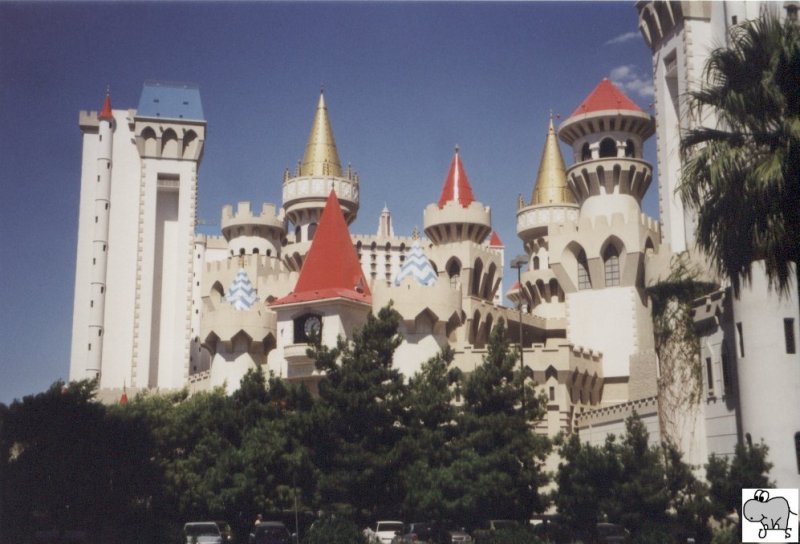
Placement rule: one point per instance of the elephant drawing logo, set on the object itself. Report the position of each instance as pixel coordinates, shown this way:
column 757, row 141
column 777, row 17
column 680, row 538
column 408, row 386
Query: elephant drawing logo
column 770, row 519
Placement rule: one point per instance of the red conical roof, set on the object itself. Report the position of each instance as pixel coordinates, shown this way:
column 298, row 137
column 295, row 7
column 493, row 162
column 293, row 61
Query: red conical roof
column 495, row 240
column 456, row 185
column 606, row 96
column 105, row 113
column 331, row 268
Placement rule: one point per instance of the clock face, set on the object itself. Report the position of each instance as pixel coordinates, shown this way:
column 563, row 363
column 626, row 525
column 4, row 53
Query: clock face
column 312, row 325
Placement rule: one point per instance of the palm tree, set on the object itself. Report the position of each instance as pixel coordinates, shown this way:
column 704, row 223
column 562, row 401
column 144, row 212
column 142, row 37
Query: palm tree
column 742, row 176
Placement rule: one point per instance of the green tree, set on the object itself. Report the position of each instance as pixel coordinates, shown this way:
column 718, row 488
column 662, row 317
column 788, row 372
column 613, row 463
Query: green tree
column 498, row 473
column 748, row 468
column 69, row 463
column 427, row 447
column 742, row 175
column 584, row 477
column 356, row 428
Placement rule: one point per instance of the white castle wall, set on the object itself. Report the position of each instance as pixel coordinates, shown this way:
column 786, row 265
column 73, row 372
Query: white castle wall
column 769, row 377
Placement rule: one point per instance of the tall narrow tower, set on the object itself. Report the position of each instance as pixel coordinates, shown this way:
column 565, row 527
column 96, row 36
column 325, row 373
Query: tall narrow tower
column 132, row 318
column 552, row 205
column 305, row 193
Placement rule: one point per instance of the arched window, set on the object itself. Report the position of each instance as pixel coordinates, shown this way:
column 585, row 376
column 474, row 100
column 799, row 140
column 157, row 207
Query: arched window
column 608, row 148
column 586, row 153
column 477, row 272
column 150, row 142
column 611, row 264
column 312, row 229
column 453, row 269
column 255, row 251
column 169, row 144
column 241, row 251
column 298, row 234
column 630, row 149
column 536, row 263
column 584, row 281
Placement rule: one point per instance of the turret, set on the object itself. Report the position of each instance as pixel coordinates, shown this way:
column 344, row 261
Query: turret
column 102, row 205
column 253, row 234
column 305, row 193
column 457, row 217
column 553, row 204
column 607, row 133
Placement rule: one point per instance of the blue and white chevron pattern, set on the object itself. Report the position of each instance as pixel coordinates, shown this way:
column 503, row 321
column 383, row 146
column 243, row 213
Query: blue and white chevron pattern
column 417, row 266
column 241, row 293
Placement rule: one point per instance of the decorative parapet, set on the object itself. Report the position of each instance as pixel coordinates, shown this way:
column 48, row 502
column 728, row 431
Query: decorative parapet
column 222, row 321
column 454, row 222
column 532, row 220
column 707, row 310
column 616, row 412
column 412, row 299
column 615, row 175
column 243, row 216
column 313, row 189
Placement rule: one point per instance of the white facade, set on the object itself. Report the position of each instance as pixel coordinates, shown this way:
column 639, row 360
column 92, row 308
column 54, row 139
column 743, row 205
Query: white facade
column 751, row 374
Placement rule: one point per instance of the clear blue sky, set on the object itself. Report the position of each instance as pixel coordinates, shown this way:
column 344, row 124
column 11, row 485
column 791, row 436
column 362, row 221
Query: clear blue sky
column 404, row 83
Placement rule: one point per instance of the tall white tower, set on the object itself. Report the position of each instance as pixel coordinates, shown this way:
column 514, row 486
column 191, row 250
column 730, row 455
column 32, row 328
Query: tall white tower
column 135, row 267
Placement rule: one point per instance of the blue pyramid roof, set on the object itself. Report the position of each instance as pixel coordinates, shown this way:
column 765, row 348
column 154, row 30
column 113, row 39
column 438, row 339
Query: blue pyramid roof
column 417, row 266
column 241, row 293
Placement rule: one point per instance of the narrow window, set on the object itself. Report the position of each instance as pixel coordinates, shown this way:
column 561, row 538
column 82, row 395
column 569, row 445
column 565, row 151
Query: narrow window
column 90, row 346
column 312, row 230
column 99, row 332
column 734, row 19
column 255, row 251
column 710, row 377
column 726, row 378
column 536, row 263
column 552, row 393
column 584, row 281
column 749, row 440
column 95, row 219
column 788, row 334
column 102, row 290
column 741, row 338
column 586, row 153
column 611, row 263
column 797, row 450
column 630, row 149
column 269, row 253
column 241, row 251
column 91, row 304
column 298, row 233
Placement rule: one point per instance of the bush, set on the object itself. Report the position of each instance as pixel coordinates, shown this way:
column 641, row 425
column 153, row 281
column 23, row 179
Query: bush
column 334, row 530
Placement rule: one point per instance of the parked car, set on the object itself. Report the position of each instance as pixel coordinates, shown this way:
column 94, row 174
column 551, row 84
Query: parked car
column 382, row 532
column 202, row 532
column 271, row 532
column 449, row 533
column 493, row 525
column 416, row 532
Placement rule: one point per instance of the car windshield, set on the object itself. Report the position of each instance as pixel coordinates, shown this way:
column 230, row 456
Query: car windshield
column 201, row 529
column 390, row 527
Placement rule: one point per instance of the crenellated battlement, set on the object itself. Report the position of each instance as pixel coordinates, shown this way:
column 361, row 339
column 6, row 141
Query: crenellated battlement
column 380, row 241
column 454, row 222
column 266, row 265
column 269, row 217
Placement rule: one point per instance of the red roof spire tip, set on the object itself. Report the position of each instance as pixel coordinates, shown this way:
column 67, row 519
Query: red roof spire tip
column 105, row 113
column 606, row 96
column 456, row 184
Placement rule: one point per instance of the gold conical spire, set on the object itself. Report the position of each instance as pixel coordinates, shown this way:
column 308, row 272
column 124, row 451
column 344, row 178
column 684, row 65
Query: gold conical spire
column 321, row 157
column 551, row 180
